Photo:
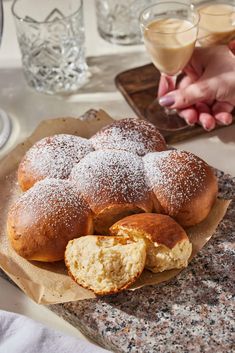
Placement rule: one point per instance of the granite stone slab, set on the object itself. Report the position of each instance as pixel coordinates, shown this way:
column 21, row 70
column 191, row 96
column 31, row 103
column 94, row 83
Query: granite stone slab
column 192, row 313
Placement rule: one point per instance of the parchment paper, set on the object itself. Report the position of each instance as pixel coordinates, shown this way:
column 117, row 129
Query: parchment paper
column 47, row 283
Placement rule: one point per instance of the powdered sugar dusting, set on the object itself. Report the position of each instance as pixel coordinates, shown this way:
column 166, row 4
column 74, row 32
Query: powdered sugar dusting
column 111, row 176
column 53, row 201
column 132, row 135
column 54, row 156
column 175, row 176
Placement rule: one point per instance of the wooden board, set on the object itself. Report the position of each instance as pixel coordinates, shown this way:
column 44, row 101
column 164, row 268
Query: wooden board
column 139, row 88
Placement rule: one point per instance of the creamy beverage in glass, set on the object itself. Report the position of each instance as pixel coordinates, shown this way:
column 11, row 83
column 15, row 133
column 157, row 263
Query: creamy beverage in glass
column 217, row 23
column 170, row 43
column 170, row 31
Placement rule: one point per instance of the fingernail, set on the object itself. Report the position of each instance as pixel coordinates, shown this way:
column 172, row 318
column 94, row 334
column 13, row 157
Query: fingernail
column 224, row 118
column 167, row 101
column 189, row 122
column 207, row 128
column 228, row 120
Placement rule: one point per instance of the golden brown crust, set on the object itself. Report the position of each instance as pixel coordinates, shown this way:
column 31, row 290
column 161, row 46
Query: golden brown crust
column 184, row 186
column 113, row 183
column 26, row 177
column 197, row 209
column 51, row 157
column 158, row 228
column 45, row 218
column 110, row 215
column 132, row 135
column 200, row 206
column 167, row 244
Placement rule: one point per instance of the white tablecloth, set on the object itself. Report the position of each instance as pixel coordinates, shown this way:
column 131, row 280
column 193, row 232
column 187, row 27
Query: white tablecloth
column 19, row 334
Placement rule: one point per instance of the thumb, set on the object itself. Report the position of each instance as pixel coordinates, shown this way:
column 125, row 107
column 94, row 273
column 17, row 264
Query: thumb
column 182, row 98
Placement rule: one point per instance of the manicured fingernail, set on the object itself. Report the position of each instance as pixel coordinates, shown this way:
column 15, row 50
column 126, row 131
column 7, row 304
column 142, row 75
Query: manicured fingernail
column 207, row 128
column 229, row 121
column 190, row 122
column 224, row 118
column 167, row 101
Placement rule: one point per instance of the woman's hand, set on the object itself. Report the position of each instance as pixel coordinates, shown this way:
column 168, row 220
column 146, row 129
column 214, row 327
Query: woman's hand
column 206, row 94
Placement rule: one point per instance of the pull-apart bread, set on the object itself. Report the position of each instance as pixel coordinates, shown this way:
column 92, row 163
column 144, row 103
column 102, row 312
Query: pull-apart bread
column 77, row 187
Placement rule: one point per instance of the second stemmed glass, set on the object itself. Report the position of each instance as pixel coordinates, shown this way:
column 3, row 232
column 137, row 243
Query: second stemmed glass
column 217, row 22
column 170, row 33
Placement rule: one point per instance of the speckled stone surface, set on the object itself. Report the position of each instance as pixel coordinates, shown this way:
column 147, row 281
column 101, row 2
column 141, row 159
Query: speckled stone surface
column 192, row 313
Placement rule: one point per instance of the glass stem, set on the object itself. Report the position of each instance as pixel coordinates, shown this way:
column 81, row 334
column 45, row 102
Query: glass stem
column 172, row 87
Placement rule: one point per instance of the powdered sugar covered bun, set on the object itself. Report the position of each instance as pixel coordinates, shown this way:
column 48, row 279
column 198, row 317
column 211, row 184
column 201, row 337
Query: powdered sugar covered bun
column 44, row 218
column 132, row 135
column 52, row 157
column 183, row 184
column 113, row 183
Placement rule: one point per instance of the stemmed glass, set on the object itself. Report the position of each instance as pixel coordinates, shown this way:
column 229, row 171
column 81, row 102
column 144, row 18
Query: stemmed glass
column 170, row 33
column 5, row 123
column 217, row 22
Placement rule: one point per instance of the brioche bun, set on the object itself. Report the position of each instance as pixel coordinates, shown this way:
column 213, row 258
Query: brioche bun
column 113, row 184
column 131, row 135
column 51, row 157
column 167, row 243
column 43, row 219
column 183, row 185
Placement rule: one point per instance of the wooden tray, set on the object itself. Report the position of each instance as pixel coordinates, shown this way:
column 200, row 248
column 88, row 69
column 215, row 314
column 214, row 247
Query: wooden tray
column 139, row 88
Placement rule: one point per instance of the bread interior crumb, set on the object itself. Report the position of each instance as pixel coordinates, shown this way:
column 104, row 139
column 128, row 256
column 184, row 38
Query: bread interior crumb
column 159, row 257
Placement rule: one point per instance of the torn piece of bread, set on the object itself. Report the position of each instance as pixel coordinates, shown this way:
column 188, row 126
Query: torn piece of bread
column 105, row 264
column 168, row 245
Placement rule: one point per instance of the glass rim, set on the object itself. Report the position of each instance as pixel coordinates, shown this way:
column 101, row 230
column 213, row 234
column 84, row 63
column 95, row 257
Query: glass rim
column 217, row 14
column 23, row 20
column 191, row 6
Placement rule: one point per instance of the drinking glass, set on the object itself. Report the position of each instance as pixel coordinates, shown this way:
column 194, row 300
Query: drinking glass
column 217, row 22
column 51, row 39
column 117, row 20
column 5, row 122
column 170, row 32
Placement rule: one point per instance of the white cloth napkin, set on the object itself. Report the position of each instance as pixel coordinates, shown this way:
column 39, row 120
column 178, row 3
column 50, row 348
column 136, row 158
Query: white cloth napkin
column 19, row 334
